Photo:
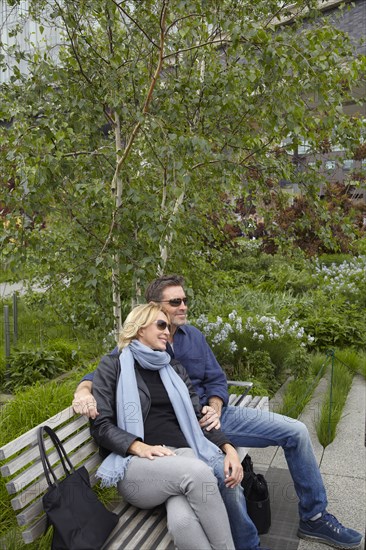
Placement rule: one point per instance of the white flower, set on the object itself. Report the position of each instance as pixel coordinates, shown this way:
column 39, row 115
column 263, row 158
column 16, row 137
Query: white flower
column 233, row 346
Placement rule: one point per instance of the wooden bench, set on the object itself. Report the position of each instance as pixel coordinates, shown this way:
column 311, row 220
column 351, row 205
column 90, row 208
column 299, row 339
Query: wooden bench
column 137, row 529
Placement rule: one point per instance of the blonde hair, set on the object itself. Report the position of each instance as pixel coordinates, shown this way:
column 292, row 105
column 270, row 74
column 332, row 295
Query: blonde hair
column 139, row 317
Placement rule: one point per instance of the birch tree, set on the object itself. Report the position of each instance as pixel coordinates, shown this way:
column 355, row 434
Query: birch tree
column 123, row 149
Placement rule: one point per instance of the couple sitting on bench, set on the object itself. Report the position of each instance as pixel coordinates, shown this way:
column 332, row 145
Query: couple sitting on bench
column 144, row 414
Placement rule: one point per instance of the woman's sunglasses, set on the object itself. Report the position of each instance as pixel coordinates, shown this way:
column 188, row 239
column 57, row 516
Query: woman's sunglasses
column 175, row 302
column 162, row 325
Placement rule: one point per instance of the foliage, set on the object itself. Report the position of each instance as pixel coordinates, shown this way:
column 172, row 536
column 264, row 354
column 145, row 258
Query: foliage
column 329, row 224
column 333, row 404
column 67, row 351
column 28, row 367
column 257, row 347
column 298, row 362
column 297, row 396
column 336, row 326
column 355, row 361
column 299, row 390
column 41, row 327
column 121, row 153
column 347, row 278
column 360, row 246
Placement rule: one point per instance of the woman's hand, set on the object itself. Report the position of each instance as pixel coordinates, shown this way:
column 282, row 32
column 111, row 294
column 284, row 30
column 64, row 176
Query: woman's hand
column 232, row 467
column 141, row 449
column 210, row 418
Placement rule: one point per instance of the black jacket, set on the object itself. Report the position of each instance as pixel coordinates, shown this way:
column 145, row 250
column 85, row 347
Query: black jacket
column 104, row 428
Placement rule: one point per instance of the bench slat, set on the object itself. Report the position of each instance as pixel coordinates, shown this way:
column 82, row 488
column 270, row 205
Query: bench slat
column 135, row 525
column 32, row 453
column 148, row 529
column 36, row 469
column 127, row 515
column 35, row 531
column 18, row 485
column 31, row 436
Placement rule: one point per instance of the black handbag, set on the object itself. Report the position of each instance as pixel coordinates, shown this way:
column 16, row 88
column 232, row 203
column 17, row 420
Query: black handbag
column 80, row 521
column 257, row 497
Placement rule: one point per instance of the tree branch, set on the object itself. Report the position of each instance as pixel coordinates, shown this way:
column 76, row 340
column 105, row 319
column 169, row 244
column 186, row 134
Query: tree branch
column 119, row 6
column 79, row 153
column 73, row 45
column 148, row 96
column 196, row 47
column 182, row 19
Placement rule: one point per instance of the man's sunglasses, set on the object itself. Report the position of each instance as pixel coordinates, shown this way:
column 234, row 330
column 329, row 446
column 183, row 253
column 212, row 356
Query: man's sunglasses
column 162, row 325
column 175, row 302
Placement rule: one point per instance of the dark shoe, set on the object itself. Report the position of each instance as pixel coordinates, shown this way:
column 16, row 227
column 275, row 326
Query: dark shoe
column 328, row 530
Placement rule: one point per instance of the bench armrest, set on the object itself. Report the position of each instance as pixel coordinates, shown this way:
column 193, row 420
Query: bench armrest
column 240, row 384
column 247, row 385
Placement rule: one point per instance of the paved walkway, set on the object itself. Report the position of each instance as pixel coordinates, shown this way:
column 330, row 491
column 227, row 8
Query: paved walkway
column 7, row 289
column 342, row 464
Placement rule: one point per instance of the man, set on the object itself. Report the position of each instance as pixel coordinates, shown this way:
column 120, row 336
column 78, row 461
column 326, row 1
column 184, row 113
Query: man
column 243, row 426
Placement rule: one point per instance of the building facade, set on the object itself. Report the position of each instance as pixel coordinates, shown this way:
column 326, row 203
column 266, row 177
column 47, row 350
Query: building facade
column 18, row 29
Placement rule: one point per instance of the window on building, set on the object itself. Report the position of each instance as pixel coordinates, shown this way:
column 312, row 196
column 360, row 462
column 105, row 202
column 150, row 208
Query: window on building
column 337, row 148
column 330, row 165
column 303, row 147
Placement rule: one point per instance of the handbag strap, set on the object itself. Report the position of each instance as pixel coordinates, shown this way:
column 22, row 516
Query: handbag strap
column 60, row 450
column 249, row 475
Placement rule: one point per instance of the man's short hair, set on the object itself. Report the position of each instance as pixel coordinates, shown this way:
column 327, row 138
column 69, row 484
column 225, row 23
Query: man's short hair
column 154, row 292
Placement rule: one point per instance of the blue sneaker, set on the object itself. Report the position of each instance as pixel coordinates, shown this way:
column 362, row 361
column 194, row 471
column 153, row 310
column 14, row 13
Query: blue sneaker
column 328, row 530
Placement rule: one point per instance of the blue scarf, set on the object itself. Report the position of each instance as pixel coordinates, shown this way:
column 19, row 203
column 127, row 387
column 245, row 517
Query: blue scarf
column 129, row 416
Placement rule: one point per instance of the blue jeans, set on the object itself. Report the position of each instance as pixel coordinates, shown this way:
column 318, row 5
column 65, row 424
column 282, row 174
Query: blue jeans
column 247, row 427
column 243, row 530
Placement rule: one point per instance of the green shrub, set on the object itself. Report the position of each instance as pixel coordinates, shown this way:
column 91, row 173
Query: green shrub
column 66, row 350
column 285, row 276
column 260, row 367
column 347, row 278
column 360, row 246
column 336, row 259
column 336, row 329
column 256, row 347
column 298, row 362
column 29, row 366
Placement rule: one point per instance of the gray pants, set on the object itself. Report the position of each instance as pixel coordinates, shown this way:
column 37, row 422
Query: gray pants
column 197, row 517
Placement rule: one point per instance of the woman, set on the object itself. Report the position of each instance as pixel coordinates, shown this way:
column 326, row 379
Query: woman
column 158, row 452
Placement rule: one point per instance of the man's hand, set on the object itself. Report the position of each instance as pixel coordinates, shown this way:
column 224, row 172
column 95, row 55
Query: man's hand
column 216, row 403
column 232, row 467
column 210, row 418
column 84, row 402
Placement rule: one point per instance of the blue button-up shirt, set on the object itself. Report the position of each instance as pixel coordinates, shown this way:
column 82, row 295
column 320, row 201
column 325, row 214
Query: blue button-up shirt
column 191, row 349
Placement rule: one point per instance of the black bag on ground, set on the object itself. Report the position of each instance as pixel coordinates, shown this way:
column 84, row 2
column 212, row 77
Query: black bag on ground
column 80, row 521
column 257, row 497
